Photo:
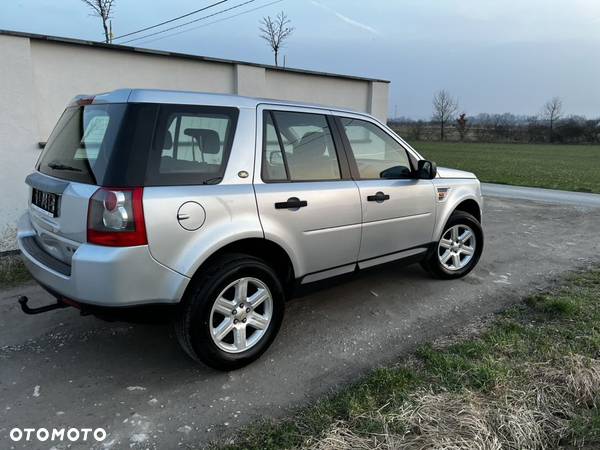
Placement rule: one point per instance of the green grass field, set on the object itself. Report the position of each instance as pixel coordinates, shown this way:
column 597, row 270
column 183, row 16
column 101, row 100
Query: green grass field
column 567, row 167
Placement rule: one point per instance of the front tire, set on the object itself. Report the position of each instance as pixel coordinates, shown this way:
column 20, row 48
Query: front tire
column 459, row 248
column 232, row 312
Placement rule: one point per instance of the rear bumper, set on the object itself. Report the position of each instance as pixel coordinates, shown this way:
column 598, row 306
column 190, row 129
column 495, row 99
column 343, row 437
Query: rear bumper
column 103, row 276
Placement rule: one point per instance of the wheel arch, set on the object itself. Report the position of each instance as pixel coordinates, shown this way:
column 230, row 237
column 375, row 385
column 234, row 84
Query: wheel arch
column 271, row 252
column 435, row 263
column 469, row 206
column 466, row 203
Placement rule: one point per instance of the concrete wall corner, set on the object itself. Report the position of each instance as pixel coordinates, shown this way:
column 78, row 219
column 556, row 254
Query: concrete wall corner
column 378, row 100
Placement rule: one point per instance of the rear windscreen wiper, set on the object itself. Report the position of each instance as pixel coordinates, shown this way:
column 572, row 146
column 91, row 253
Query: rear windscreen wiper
column 58, row 166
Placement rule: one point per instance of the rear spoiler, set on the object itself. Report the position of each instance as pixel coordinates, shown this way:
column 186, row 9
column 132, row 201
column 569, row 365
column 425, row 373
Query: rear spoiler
column 118, row 96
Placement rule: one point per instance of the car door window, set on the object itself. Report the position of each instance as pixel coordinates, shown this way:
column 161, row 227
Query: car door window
column 273, row 165
column 376, row 153
column 298, row 147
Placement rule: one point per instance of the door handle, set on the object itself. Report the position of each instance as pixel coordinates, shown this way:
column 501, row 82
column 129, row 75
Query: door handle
column 379, row 197
column 292, row 203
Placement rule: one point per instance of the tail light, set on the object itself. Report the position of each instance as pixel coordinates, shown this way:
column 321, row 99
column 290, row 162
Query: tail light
column 116, row 218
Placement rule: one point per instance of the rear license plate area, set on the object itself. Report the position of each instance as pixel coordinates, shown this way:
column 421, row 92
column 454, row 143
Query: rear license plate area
column 47, row 202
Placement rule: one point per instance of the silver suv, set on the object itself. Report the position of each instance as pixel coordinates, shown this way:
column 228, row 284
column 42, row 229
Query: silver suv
column 214, row 207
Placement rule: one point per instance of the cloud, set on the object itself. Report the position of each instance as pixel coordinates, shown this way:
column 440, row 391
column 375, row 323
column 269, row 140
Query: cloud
column 347, row 19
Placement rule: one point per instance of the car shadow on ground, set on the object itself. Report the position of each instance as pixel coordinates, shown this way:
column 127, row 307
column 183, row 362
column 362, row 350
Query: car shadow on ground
column 152, row 348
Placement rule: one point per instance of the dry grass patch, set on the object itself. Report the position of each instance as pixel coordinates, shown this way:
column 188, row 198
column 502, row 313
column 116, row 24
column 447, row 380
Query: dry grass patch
column 12, row 271
column 532, row 416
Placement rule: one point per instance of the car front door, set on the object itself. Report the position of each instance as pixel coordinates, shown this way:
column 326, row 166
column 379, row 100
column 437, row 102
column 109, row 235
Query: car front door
column 398, row 208
column 307, row 201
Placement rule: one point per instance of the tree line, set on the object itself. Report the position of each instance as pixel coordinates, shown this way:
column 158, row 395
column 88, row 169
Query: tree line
column 549, row 126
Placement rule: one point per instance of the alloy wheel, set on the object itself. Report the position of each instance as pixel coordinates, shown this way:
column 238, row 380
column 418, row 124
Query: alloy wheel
column 457, row 247
column 241, row 315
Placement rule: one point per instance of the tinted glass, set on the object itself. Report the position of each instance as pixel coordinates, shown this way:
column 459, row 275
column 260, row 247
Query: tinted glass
column 376, row 153
column 308, row 148
column 195, row 144
column 82, row 143
column 140, row 144
column 191, row 145
column 273, row 162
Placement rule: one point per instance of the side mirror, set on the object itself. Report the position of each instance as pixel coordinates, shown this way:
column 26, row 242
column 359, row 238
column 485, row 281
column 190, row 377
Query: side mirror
column 426, row 170
column 396, row 172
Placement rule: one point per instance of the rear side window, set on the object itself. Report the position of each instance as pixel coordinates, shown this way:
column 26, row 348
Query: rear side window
column 81, row 145
column 191, row 145
column 298, row 147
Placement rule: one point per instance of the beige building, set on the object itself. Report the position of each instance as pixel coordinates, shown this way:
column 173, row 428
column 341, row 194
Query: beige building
column 40, row 74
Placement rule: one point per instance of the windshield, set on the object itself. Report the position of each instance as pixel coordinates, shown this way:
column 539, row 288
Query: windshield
column 79, row 148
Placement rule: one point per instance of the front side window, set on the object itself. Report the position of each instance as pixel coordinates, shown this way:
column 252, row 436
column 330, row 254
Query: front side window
column 191, row 145
column 376, row 153
column 298, row 147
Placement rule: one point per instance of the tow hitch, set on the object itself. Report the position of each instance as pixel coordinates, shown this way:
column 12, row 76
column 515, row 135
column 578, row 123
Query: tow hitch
column 42, row 309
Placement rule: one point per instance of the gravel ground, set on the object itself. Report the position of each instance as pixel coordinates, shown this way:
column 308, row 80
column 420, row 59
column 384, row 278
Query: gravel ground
column 62, row 370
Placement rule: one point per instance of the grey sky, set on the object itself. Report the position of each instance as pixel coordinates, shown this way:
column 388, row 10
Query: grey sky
column 495, row 56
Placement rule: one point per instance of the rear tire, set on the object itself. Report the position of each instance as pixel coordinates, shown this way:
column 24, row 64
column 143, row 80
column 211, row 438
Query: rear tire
column 459, row 248
column 213, row 328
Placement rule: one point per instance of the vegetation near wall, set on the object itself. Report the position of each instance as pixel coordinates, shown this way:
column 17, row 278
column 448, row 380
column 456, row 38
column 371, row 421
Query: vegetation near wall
column 12, row 270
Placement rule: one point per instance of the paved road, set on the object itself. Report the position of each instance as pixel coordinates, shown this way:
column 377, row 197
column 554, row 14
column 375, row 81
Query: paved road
column 60, row 370
column 541, row 195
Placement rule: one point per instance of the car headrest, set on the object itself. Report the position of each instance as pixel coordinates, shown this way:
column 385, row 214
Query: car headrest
column 312, row 145
column 208, row 140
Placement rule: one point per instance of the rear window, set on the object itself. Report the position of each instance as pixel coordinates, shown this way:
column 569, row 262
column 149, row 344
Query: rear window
column 79, row 147
column 142, row 144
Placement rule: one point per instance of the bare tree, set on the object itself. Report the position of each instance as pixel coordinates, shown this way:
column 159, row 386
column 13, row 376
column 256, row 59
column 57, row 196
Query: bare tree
column 444, row 107
column 552, row 111
column 102, row 9
column 275, row 32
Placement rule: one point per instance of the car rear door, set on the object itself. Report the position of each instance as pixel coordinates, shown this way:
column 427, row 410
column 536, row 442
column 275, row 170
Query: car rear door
column 398, row 208
column 306, row 198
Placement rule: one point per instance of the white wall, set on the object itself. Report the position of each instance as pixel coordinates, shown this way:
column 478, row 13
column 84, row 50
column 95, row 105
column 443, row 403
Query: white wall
column 62, row 71
column 18, row 133
column 38, row 78
column 350, row 94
